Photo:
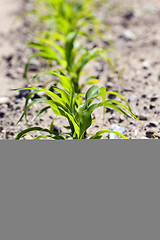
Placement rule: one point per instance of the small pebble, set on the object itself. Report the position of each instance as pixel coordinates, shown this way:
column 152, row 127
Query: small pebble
column 121, row 118
column 108, row 39
column 142, row 59
column 10, row 73
column 115, row 128
column 148, row 75
column 56, row 129
column 153, row 99
column 35, row 96
column 33, row 65
column 153, row 124
column 2, row 114
column 149, row 134
column 4, row 100
column 151, row 106
column 99, row 67
column 127, row 35
column 111, row 96
column 97, row 76
column 143, row 118
column 109, row 85
column 145, row 65
column 109, row 110
column 28, row 137
column 144, row 138
column 129, row 15
column 8, row 58
column 112, row 116
column 17, row 101
column 136, row 132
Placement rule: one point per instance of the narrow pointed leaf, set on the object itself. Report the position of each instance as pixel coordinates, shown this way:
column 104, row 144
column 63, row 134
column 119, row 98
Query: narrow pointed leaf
column 28, row 130
column 99, row 134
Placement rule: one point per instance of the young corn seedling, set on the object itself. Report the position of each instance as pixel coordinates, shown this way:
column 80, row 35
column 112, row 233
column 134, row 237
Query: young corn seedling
column 70, row 105
column 64, row 16
column 69, row 18
column 71, row 57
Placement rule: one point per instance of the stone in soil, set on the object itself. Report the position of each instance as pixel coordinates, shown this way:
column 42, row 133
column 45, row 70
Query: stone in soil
column 111, row 96
column 144, row 137
column 10, row 73
column 109, row 85
column 143, row 118
column 33, row 65
column 149, row 134
column 129, row 15
column 2, row 114
column 153, row 99
column 4, row 100
column 153, row 124
column 145, row 65
column 128, row 35
column 115, row 128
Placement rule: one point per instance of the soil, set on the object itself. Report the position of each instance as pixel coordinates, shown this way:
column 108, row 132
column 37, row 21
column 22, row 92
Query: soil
column 136, row 36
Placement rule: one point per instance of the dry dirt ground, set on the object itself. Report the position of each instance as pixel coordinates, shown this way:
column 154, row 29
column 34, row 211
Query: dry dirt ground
column 136, row 36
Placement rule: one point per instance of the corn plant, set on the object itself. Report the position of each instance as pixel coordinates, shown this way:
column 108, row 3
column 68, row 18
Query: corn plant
column 65, row 16
column 71, row 57
column 68, row 19
column 76, row 108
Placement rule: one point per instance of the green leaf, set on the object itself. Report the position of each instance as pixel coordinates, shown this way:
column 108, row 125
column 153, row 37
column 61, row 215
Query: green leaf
column 103, row 94
column 80, row 111
column 86, row 57
column 70, row 38
column 114, row 107
column 58, row 36
column 78, row 99
column 86, row 120
column 59, row 48
column 40, row 112
column 54, row 104
column 50, row 94
column 30, row 105
column 66, row 83
column 51, row 127
column 92, row 92
column 47, row 52
column 26, row 65
column 64, row 95
column 55, row 137
column 71, row 120
column 25, row 106
column 98, row 134
column 41, row 137
column 118, row 95
column 24, row 132
column 122, row 105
